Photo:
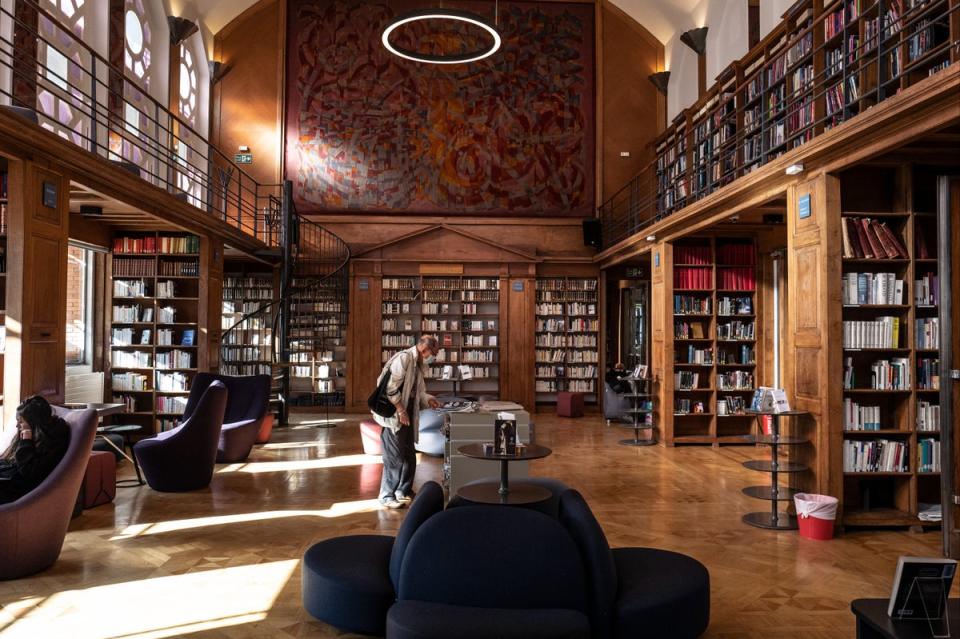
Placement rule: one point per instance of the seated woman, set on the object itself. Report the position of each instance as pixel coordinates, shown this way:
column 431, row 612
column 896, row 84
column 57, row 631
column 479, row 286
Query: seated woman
column 613, row 378
column 41, row 442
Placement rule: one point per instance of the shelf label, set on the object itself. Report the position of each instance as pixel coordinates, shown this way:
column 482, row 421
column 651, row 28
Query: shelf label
column 803, row 208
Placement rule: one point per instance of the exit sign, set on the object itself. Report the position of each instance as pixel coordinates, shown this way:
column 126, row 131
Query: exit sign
column 243, row 158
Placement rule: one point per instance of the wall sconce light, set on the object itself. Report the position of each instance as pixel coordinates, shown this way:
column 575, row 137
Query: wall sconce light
column 181, row 29
column 243, row 148
column 661, row 80
column 651, row 238
column 217, row 70
column 696, row 39
column 794, row 169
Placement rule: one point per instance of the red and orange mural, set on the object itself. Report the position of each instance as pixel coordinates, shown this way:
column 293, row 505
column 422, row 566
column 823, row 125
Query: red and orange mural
column 371, row 132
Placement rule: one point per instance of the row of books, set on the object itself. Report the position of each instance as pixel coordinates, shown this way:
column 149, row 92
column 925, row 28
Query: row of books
column 859, row 417
column 928, row 374
column 926, row 290
column 173, row 382
column 884, row 332
column 131, row 359
column 872, row 288
column 928, row 416
column 688, row 407
column 689, row 330
column 567, row 341
column 691, row 305
column 245, row 308
column 928, row 455
column 479, row 356
column 893, row 374
column 732, row 405
column 686, row 380
column 170, row 405
column 245, row 369
column 180, row 268
column 175, row 359
column 875, row 456
column 685, row 277
column 737, row 279
column 867, row 238
column 736, row 331
column 928, row 333
column 695, row 355
column 167, row 245
column 735, row 305
column 248, row 353
column 165, row 337
column 561, row 284
column 743, row 354
column 128, row 267
column 735, row 380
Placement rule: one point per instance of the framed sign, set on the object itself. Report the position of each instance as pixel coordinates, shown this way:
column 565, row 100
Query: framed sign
column 803, row 207
column 363, row 284
column 50, row 193
column 517, row 285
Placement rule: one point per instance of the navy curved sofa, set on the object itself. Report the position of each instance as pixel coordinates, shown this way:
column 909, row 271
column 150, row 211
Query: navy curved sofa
column 350, row 582
column 247, row 405
column 475, row 573
column 183, row 458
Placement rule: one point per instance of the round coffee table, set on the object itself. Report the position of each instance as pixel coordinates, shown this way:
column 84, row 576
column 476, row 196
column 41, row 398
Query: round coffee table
column 126, row 431
column 504, row 494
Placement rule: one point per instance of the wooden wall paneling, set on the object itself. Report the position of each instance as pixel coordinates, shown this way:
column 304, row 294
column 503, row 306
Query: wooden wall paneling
column 661, row 309
column 603, row 338
column 363, row 336
column 517, row 327
column 36, row 306
column 812, row 357
column 210, row 307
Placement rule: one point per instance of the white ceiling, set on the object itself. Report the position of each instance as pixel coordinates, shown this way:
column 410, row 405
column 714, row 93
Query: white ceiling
column 663, row 18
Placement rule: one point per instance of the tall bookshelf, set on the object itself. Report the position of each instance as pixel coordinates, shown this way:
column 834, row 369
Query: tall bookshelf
column 826, row 62
column 248, row 349
column 714, row 336
column 462, row 311
column 890, row 311
column 318, row 349
column 154, row 329
column 567, row 338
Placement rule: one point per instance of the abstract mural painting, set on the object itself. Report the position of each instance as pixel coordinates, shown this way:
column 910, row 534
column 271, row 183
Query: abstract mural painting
column 511, row 134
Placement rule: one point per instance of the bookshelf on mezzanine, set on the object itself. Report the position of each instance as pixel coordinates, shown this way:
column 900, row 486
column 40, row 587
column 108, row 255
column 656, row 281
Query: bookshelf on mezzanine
column 890, row 355
column 464, row 314
column 826, row 62
column 154, row 330
column 711, row 340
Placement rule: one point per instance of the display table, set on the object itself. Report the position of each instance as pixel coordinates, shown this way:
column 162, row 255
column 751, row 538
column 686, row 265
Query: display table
column 503, row 494
column 773, row 520
column 874, row 623
column 476, row 428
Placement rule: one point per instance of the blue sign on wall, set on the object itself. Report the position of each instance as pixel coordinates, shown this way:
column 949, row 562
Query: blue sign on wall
column 803, row 207
column 656, row 258
column 364, row 284
column 518, row 285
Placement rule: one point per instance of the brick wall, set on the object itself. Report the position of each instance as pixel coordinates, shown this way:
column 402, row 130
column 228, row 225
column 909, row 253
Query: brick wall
column 75, row 314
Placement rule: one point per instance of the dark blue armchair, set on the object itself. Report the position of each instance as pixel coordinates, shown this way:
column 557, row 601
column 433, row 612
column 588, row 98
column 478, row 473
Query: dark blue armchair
column 248, row 400
column 183, row 458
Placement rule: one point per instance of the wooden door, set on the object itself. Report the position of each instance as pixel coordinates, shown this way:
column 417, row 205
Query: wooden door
column 948, row 205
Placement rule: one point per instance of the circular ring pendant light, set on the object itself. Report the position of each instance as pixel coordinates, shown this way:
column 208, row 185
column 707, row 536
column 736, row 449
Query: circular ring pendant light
column 452, row 15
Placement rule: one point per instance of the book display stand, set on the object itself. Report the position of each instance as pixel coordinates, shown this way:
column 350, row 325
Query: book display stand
column 932, row 593
column 774, row 519
column 641, row 407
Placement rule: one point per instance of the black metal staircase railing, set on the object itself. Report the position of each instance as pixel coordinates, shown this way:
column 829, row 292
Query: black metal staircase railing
column 309, row 316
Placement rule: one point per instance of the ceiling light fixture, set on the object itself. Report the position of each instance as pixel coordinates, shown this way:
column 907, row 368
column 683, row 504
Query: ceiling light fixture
column 452, row 15
column 661, row 80
column 794, row 169
column 696, row 39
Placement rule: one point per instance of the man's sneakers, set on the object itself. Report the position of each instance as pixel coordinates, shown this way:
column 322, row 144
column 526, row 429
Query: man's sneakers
column 405, row 498
column 392, row 504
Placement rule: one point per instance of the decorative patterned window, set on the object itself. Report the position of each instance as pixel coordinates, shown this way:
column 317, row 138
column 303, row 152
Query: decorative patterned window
column 137, row 41
column 64, row 71
column 192, row 100
column 189, row 93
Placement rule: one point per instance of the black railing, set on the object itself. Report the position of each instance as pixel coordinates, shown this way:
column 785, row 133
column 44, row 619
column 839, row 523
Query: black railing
column 65, row 86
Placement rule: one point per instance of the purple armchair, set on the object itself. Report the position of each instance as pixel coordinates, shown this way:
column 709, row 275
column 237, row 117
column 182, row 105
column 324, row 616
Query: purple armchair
column 32, row 529
column 248, row 399
column 182, row 459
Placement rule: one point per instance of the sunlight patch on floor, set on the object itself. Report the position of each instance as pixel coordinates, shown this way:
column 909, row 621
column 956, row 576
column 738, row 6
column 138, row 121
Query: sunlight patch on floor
column 154, row 608
column 339, row 509
column 300, row 464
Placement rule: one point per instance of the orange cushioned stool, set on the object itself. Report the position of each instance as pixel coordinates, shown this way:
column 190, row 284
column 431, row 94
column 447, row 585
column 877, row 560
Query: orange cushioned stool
column 570, row 404
column 266, row 429
column 370, row 436
column 100, row 480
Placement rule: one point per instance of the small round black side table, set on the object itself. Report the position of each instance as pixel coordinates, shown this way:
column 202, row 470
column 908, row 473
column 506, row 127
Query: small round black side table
column 504, row 494
column 774, row 519
column 126, row 431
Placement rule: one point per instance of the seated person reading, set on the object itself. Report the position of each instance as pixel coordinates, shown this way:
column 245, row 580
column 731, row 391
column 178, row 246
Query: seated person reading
column 39, row 445
column 614, row 378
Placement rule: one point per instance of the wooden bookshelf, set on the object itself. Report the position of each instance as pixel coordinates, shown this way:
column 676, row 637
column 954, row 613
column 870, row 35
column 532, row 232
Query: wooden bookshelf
column 826, row 62
column 154, row 328
column 248, row 349
column 890, row 307
column 318, row 349
column 713, row 338
column 567, row 338
column 464, row 314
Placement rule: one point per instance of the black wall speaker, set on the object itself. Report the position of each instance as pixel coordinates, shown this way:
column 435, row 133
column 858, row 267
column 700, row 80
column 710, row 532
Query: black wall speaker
column 86, row 210
column 591, row 232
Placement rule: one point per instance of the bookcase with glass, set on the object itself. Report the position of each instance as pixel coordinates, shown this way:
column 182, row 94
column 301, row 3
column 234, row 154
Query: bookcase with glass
column 891, row 377
column 567, row 338
column 154, row 302
column 714, row 338
column 827, row 61
column 464, row 314
column 249, row 296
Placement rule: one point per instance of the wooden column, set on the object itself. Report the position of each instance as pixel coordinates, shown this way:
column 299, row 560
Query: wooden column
column 364, row 326
column 36, row 285
column 813, row 335
column 210, row 307
column 661, row 287
column 517, row 335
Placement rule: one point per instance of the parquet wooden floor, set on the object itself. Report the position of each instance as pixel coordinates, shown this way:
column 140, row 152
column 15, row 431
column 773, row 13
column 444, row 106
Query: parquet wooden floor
column 224, row 562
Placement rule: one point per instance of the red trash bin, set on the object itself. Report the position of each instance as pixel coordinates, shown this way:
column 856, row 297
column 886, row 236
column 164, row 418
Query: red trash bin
column 815, row 515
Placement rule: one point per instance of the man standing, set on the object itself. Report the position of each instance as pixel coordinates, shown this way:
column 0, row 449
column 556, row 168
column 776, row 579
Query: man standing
column 408, row 392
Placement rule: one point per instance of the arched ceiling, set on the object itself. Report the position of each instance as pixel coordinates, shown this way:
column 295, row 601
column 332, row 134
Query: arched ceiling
column 663, row 18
